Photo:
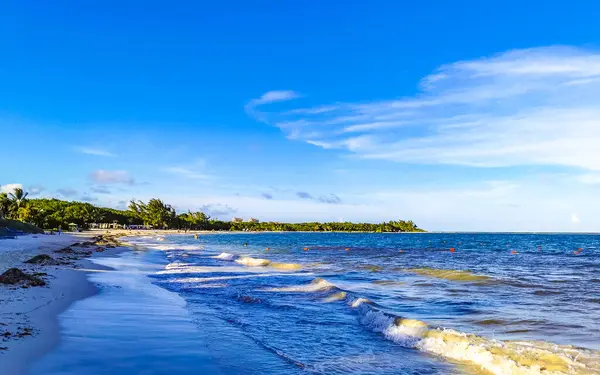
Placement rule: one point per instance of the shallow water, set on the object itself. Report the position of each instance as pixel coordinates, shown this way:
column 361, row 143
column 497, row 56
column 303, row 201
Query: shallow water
column 344, row 303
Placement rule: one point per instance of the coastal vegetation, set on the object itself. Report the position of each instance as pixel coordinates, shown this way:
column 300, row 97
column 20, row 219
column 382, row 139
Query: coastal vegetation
column 54, row 213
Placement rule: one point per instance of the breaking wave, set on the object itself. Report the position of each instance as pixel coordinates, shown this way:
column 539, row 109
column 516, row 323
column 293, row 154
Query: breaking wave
column 317, row 285
column 226, row 256
column 256, row 262
column 494, row 356
column 253, row 262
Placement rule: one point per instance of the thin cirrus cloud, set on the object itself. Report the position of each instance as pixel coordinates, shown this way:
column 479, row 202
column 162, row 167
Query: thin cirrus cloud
column 303, row 195
column 217, row 209
column 88, row 198
column 330, row 199
column 67, row 192
column 102, row 176
column 94, row 151
column 187, row 173
column 268, row 98
column 537, row 106
column 35, row 190
column 100, row 189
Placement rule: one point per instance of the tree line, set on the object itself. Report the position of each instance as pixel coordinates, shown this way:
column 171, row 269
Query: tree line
column 54, row 213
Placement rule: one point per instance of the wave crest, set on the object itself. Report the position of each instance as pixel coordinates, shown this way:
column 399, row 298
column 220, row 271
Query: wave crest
column 317, row 285
column 494, row 356
column 225, row 256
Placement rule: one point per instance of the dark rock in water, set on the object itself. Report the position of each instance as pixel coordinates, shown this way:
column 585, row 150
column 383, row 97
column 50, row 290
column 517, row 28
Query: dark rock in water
column 16, row 276
column 66, row 250
column 248, row 299
column 42, row 259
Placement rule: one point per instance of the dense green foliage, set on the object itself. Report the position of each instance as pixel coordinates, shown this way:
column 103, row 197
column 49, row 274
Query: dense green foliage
column 52, row 213
column 391, row 226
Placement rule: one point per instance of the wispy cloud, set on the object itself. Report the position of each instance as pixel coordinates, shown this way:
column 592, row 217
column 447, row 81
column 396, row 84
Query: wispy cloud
column 35, row 190
column 274, row 96
column 111, row 177
column 187, row 172
column 303, row 195
column 100, row 189
column 94, row 151
column 67, row 192
column 268, row 98
column 330, row 199
column 524, row 107
column 217, row 209
column 589, row 178
column 88, row 198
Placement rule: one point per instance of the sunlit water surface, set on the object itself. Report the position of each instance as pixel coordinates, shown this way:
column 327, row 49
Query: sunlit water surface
column 340, row 303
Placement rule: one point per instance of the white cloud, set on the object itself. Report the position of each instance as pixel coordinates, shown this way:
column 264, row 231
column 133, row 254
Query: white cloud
column 94, row 151
column 111, row 177
column 274, row 96
column 535, row 106
column 589, row 178
column 186, row 172
column 574, row 219
column 9, row 188
column 537, row 203
column 268, row 98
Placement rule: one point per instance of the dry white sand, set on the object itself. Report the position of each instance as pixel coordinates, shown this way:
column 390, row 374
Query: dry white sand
column 29, row 316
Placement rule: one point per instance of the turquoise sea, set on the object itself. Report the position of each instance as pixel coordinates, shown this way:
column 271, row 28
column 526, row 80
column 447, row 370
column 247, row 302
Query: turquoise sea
column 337, row 303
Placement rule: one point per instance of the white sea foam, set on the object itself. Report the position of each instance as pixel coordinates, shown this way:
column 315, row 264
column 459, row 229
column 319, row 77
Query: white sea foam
column 167, row 247
column 219, row 278
column 226, row 256
column 253, row 262
column 359, row 301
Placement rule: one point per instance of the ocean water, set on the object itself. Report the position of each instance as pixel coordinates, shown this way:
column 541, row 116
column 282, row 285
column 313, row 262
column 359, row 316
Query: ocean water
column 335, row 303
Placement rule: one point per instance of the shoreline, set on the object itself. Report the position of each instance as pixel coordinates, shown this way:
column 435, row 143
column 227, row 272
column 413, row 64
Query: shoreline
column 29, row 316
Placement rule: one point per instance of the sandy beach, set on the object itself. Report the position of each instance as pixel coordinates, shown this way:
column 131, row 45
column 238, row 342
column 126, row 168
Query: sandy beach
column 29, row 314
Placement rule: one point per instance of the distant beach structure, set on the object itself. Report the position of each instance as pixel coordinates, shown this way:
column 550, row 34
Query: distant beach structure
column 113, row 225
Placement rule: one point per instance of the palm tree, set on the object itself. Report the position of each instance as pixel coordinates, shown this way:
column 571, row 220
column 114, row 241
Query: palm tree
column 4, row 205
column 18, row 198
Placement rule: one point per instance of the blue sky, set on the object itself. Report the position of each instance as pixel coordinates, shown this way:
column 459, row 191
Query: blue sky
column 463, row 115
